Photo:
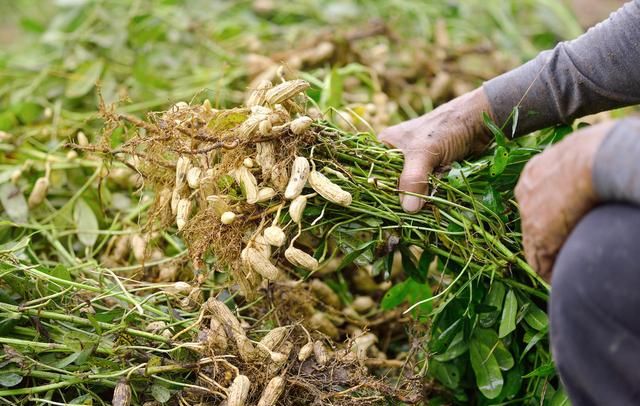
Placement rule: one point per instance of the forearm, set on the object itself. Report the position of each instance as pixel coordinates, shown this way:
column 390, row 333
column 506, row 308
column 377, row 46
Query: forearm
column 616, row 168
column 596, row 72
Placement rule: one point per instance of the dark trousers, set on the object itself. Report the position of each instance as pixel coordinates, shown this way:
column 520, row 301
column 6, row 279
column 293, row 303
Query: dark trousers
column 595, row 308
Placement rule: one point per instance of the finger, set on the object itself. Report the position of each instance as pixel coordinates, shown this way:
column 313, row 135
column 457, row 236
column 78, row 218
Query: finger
column 414, row 180
column 539, row 250
column 530, row 251
column 545, row 266
column 391, row 136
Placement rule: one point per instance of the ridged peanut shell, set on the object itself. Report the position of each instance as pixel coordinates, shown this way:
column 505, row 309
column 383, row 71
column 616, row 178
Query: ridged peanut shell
column 299, row 175
column 329, row 190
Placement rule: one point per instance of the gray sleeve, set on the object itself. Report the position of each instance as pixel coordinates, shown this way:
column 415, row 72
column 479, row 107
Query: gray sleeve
column 616, row 172
column 598, row 71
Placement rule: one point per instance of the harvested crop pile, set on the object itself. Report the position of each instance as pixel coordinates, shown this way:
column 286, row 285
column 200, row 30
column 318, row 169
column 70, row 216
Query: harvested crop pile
column 182, row 258
column 286, row 217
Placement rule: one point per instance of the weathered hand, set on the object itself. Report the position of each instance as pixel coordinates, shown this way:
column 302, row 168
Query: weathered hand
column 554, row 191
column 450, row 132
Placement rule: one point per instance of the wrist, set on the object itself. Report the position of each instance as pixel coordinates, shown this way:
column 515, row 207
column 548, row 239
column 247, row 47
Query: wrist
column 615, row 170
column 580, row 151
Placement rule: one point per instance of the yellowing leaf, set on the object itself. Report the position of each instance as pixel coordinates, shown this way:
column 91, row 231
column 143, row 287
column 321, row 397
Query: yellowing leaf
column 14, row 203
column 86, row 223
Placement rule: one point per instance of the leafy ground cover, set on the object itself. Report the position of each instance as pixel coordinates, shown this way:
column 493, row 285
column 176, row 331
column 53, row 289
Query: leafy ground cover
column 102, row 296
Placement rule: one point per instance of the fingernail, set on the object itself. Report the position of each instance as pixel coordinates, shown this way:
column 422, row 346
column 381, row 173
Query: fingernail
column 412, row 204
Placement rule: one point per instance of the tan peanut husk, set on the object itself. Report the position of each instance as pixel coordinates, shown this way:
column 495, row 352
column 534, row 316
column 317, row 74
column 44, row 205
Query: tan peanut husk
column 155, row 326
column 279, row 177
column 257, row 97
column 82, row 139
column 248, row 163
column 248, row 182
column 228, row 217
column 362, row 343
column 223, row 314
column 305, row 351
column 279, row 116
column 265, row 194
column 193, row 177
column 329, row 190
column 121, row 393
column 320, row 353
column 264, row 128
column 179, row 288
column 217, row 338
column 238, row 391
column 182, row 167
column 279, row 359
column 218, row 203
column 273, row 338
column 182, row 213
column 257, row 262
column 296, row 208
column 362, row 304
column 319, row 321
column 274, row 236
column 266, row 158
column 193, row 300
column 251, row 125
column 272, row 392
column 39, row 192
column 175, row 199
column 285, row 91
column 300, row 125
column 261, row 245
column 301, row 259
column 299, row 175
column 325, row 294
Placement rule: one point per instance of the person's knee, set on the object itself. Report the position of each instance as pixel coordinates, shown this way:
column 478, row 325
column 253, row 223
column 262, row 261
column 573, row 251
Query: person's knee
column 593, row 306
column 600, row 261
column 575, row 283
column 596, row 274
column 584, row 257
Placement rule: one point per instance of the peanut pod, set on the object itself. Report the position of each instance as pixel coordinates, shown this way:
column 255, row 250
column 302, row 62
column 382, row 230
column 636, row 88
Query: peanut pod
column 259, row 264
column 328, row 189
column 299, row 175
column 272, row 392
column 301, row 259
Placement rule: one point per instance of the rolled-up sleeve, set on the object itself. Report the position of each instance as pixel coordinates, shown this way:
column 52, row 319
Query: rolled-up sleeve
column 616, row 171
column 598, row 71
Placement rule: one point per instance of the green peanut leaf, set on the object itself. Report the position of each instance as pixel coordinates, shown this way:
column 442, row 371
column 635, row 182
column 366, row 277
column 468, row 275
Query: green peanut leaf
column 536, row 318
column 560, row 398
column 83, row 79
column 9, row 379
column 494, row 299
column 457, row 347
column 498, row 134
column 489, row 338
column 500, row 160
column 486, row 369
column 509, row 312
column 446, row 373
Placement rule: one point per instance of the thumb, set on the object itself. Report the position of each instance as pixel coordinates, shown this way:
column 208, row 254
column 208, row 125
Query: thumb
column 414, row 179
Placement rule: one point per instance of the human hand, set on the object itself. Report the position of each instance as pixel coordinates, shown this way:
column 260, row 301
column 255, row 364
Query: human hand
column 448, row 133
column 554, row 191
